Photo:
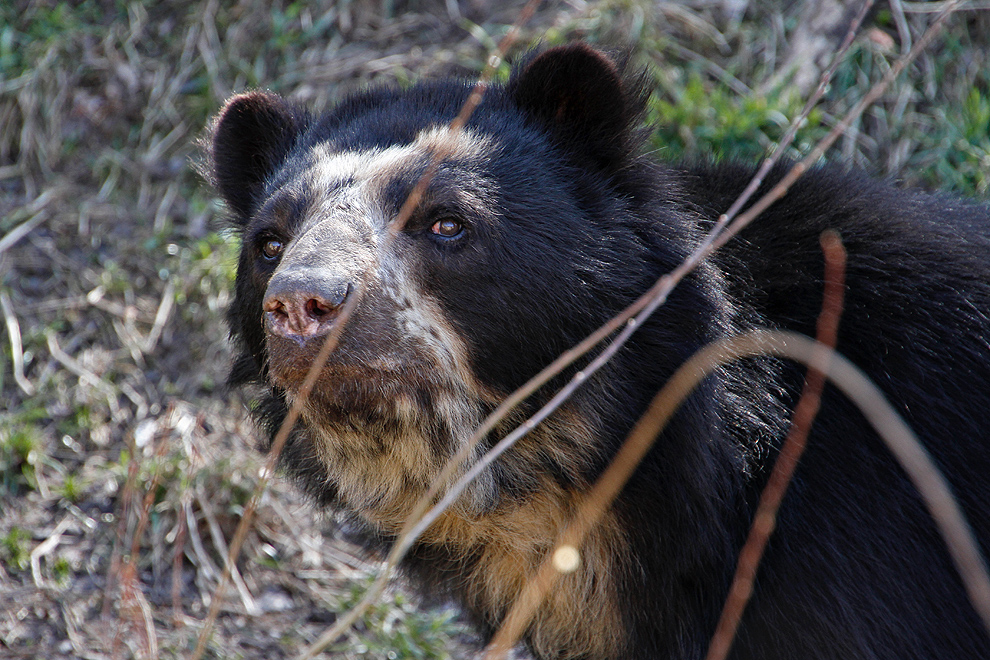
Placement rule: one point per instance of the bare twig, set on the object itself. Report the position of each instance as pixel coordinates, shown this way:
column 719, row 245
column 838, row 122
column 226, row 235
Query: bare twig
column 796, row 124
column 250, row 606
column 132, row 599
column 45, row 548
column 823, row 145
column 161, row 318
column 276, row 449
column 807, row 407
column 129, row 490
column 210, row 570
column 16, row 348
column 891, row 428
column 123, row 572
column 36, row 209
column 178, row 549
column 83, row 373
column 128, row 575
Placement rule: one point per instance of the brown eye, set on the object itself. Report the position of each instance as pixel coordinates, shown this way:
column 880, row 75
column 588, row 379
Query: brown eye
column 272, row 248
column 447, row 228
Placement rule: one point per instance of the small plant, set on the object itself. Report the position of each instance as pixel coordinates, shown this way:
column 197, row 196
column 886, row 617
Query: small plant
column 700, row 119
column 78, row 421
column 71, row 488
column 397, row 628
column 19, row 453
column 14, row 549
column 959, row 155
column 61, row 571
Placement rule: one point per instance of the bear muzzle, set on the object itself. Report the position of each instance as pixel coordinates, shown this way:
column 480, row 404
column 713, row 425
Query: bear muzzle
column 303, row 303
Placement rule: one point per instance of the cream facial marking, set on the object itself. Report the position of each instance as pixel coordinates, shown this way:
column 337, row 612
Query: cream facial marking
column 381, row 468
column 347, row 223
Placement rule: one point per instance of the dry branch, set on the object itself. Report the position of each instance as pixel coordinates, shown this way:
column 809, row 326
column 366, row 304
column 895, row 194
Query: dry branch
column 16, row 347
column 37, row 210
column 639, row 441
column 46, row 547
column 818, row 33
column 764, row 521
column 891, row 428
column 83, row 373
column 277, row 445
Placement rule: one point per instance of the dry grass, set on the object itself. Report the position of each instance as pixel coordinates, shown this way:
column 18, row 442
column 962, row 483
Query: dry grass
column 124, row 463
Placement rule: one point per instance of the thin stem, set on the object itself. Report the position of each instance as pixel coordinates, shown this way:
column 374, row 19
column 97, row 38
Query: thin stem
column 807, row 408
column 850, row 380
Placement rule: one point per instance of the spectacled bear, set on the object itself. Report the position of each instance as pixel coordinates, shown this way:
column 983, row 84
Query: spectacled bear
column 544, row 218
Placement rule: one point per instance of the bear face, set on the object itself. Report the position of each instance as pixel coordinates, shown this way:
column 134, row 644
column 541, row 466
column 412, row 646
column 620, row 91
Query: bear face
column 431, row 348
column 539, row 221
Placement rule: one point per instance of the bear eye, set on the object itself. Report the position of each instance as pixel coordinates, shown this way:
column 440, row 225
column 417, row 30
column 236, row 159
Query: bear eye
column 447, row 228
column 271, row 248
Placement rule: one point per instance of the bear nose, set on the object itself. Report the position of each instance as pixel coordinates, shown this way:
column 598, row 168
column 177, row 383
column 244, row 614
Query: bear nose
column 302, row 303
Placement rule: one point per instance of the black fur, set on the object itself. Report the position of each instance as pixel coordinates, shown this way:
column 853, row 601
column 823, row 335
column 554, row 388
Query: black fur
column 579, row 224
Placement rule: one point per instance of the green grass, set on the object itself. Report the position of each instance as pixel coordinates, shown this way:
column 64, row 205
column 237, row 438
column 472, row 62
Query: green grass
column 701, row 121
column 397, row 627
column 20, row 451
column 14, row 549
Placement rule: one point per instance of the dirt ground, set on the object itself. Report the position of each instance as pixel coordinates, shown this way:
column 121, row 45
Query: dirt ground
column 125, row 462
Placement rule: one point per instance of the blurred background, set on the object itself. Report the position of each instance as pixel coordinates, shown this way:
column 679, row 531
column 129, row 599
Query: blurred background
column 125, row 462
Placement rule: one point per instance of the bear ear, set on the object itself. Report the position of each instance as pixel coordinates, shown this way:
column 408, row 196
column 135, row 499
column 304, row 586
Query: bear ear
column 579, row 94
column 251, row 137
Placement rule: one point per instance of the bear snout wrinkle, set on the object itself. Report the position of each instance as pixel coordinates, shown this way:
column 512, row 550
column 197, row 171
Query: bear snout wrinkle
column 302, row 303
